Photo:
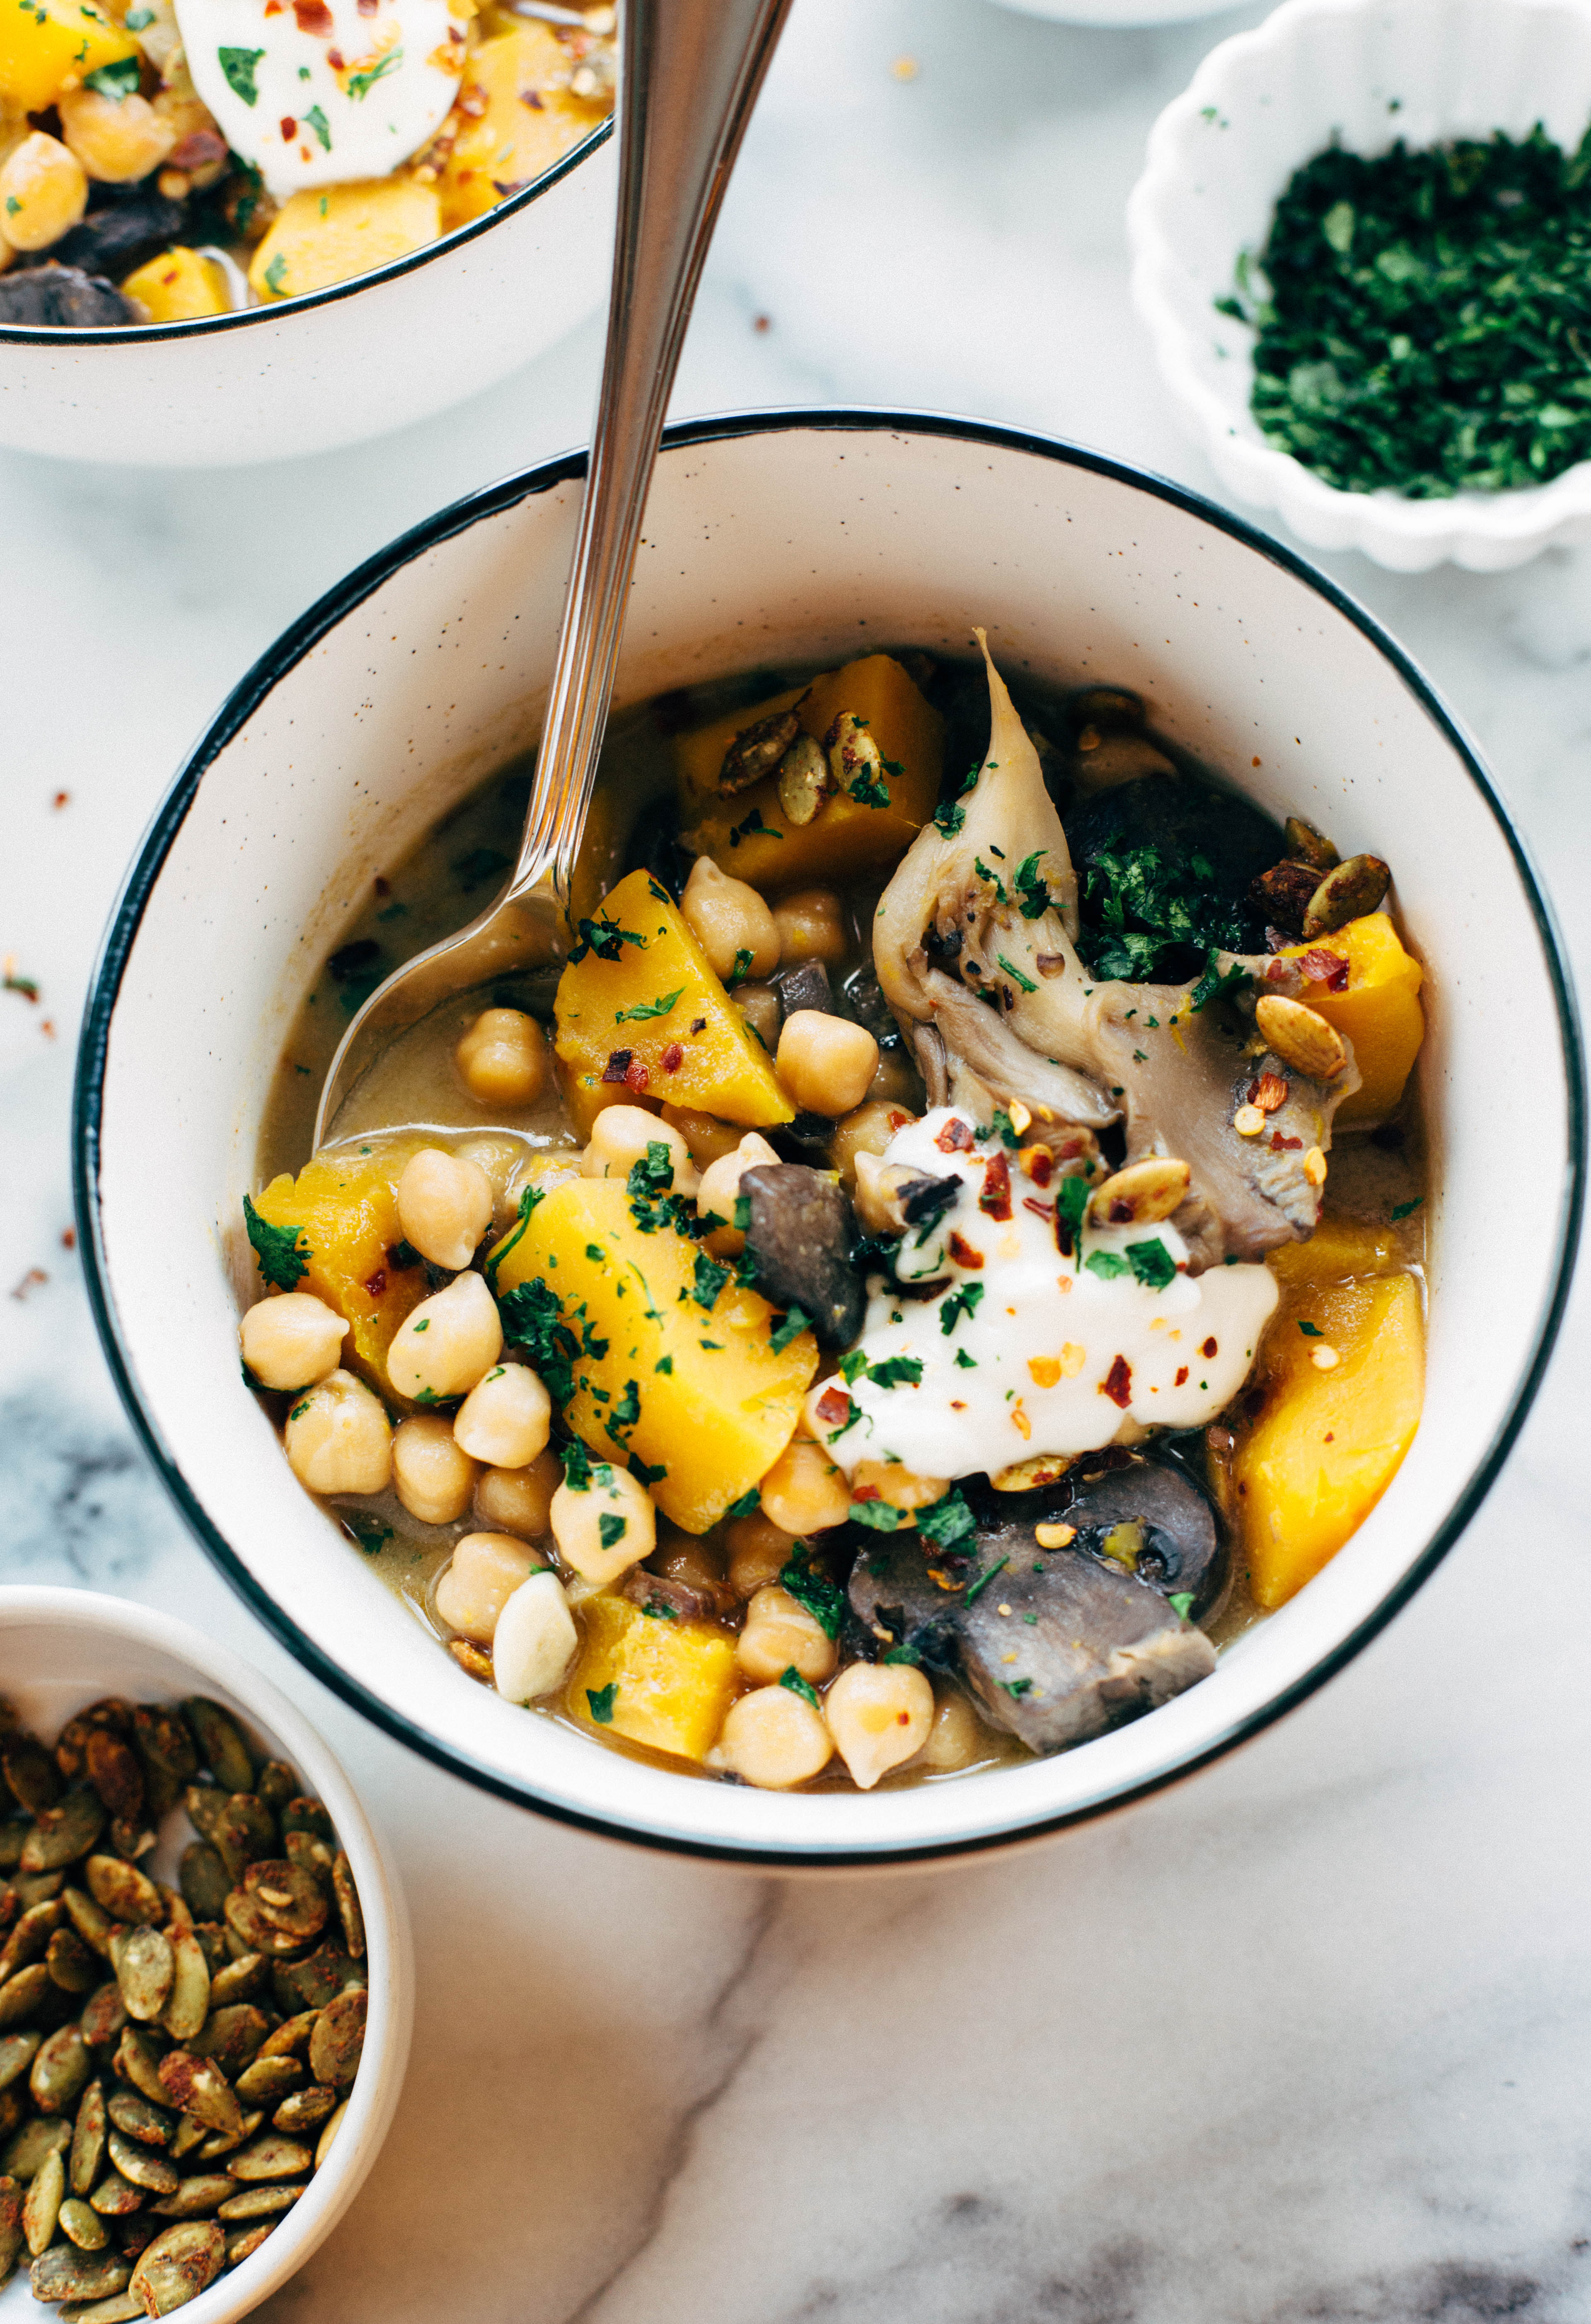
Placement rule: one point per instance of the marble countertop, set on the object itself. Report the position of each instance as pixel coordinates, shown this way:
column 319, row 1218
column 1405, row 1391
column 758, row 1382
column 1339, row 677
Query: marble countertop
column 1301, row 2042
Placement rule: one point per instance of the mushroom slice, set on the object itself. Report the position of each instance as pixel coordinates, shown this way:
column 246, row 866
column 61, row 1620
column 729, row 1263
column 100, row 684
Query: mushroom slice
column 798, row 1234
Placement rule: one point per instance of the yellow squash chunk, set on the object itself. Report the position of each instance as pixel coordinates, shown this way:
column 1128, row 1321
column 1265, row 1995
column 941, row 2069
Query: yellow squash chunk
column 516, row 117
column 331, row 233
column 657, row 997
column 346, row 1208
column 1379, row 1012
column 749, row 835
column 1339, row 1248
column 1328, row 1444
column 45, row 43
column 665, row 1684
column 694, row 1391
column 178, row 284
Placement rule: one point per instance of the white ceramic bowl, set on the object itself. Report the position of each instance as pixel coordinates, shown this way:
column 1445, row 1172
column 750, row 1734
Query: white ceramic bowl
column 773, row 536
column 354, row 361
column 1116, row 15
column 60, row 1649
column 1365, row 72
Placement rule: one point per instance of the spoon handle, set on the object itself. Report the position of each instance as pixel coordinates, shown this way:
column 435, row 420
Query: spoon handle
column 690, row 74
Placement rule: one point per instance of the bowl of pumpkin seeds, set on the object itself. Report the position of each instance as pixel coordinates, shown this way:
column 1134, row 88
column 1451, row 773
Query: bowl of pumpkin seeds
column 206, row 1988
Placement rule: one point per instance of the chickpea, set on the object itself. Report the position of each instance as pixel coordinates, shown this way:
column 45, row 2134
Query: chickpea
column 505, row 1163
column 825, row 1062
column 507, row 1419
column 117, row 140
column 708, row 1139
column 811, row 926
column 868, row 1130
column 293, row 1341
column 535, row 1640
column 759, row 1004
column 957, row 1737
column 803, row 1492
column 577, row 1529
column 620, row 1136
column 339, row 1439
column 879, row 1715
column 435, row 1477
column 444, row 1206
column 772, row 1738
column 720, row 1187
column 447, row 1344
column 898, row 1487
column 684, row 1558
column 759, row 1553
column 43, row 192
column 503, row 1057
column 781, row 1634
column 727, row 919
column 482, row 1576
column 897, row 1081
column 519, row 1501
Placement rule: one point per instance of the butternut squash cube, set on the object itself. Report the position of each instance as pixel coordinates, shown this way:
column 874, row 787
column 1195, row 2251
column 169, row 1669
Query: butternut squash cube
column 178, row 284
column 328, row 234
column 1328, row 1442
column 1338, row 1249
column 1378, row 1011
column 345, row 1207
column 656, row 1354
column 643, row 989
column 665, row 1684
column 515, row 118
column 46, row 42
column 748, row 835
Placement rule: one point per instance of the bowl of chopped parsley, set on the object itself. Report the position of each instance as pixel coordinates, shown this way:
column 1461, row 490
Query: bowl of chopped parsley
column 1363, row 250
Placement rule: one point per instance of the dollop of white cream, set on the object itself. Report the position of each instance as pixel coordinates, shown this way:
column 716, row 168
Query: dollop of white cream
column 319, row 92
column 1027, row 1352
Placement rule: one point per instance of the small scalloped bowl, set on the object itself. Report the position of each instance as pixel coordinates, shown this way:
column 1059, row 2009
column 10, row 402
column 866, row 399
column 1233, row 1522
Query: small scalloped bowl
column 60, row 1649
column 1261, row 103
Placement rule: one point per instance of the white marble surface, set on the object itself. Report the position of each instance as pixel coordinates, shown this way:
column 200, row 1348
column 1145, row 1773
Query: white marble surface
column 1302, row 2042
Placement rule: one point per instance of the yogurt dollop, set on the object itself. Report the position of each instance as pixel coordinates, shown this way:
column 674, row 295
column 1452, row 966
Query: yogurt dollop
column 1025, row 1352
column 320, row 92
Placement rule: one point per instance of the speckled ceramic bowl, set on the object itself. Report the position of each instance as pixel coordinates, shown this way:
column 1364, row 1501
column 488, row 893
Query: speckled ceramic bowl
column 60, row 1649
column 773, row 538
column 366, row 356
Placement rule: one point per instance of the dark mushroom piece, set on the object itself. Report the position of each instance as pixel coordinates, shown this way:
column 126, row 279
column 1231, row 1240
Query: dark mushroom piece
column 1150, row 1519
column 799, row 1236
column 804, row 986
column 62, row 297
column 118, row 237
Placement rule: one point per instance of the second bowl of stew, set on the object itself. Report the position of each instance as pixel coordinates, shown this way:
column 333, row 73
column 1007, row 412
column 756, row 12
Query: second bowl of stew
column 946, row 1292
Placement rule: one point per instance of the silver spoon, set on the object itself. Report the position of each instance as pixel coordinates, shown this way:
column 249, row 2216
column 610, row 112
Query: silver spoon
column 689, row 74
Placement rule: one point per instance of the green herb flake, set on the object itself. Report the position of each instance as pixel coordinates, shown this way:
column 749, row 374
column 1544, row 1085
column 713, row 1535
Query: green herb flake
column 824, row 1600
column 961, row 1302
column 1107, row 1265
column 238, row 67
column 965, row 1362
column 976, row 1588
column 601, row 1700
column 1311, row 1331
column 878, row 1516
column 360, row 84
column 709, row 1280
column 753, row 826
column 322, row 128
column 1017, row 1687
column 1032, row 890
column 1407, row 1209
column 1182, row 1605
column 645, row 1009
column 368, row 1533
column 1152, row 1263
column 664, row 1364
column 791, row 1677
column 746, row 1506
column 790, row 1327
column 948, row 1524
column 528, row 1198
column 611, row 1528
column 275, row 279
column 283, row 1259
column 116, row 80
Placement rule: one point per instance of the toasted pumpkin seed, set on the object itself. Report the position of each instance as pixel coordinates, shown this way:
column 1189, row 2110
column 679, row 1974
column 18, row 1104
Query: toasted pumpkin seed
column 1304, row 844
column 15, row 2106
column 23, row 1995
column 45, row 2199
column 66, row 2273
column 1039, row 1469
column 308, row 1815
column 290, row 2039
column 1301, row 1037
column 11, row 2233
column 115, row 2198
column 263, row 2202
column 756, row 751
column 146, row 1968
column 13, row 1839
column 142, row 2165
column 115, row 1775
column 311, row 1856
column 92, row 1922
column 199, row 2197
column 34, row 2143
column 123, row 1891
column 228, row 2142
column 289, row 1895
column 88, row 2147
column 30, row 1888
column 61, row 1834
column 221, row 1747
column 17, row 2052
column 30, row 1773
column 61, row 2072
column 310, row 1983
column 1143, row 1194
column 213, row 1938
column 244, row 2245
column 83, row 2225
column 232, row 2036
column 131, row 1837
column 327, row 2137
column 245, row 1833
column 804, row 780
column 248, row 1920
column 1347, row 893
column 349, row 1910
column 268, row 2080
column 304, row 2111
column 204, row 1803
column 179, row 2265
column 71, row 1966
column 197, row 2086
column 269, row 2156
column 104, row 2016
column 121, row 2308
column 276, row 1783
column 189, row 2002
column 136, row 2118
column 138, row 2060
column 28, row 1939
column 240, row 1981
column 337, row 2041
column 188, row 2134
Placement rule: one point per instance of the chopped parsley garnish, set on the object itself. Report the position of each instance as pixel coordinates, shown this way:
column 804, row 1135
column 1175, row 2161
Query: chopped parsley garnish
column 1016, row 1687
column 744, row 1506
column 321, row 126
column 1015, row 974
column 532, row 1319
column 710, row 1280
column 606, row 938
column 577, row 1466
column 1031, row 890
column 967, row 1364
column 879, row 1516
column 789, row 1328
column 611, row 1528
column 753, row 825
column 664, row 1364
column 276, row 278
column 741, row 970
column 1311, row 1331
column 950, row 815
column 824, row 1600
column 1213, row 985
column 238, row 65
column 601, row 1700
column 1182, row 1605
column 644, row 1472
column 644, row 1009
column 994, row 878
column 896, row 1371
column 867, row 790
column 369, row 1535
column 1152, row 1264
column 1071, row 1204
column 791, row 1677
column 1150, row 905
column 1406, row 1209
column 1107, row 1265
column 651, row 1207
column 948, row 1524
column 976, row 1588
column 116, row 80
column 627, row 1413
column 360, row 84
column 962, row 1301
column 282, row 1257
column 528, row 1198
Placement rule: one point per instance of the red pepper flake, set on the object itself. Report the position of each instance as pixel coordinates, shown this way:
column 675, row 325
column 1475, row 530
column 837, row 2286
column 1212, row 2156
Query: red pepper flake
column 1038, row 1163
column 699, row 1024
column 1209, row 1347
column 1280, row 1145
column 334, row 57
column 618, row 1067
column 289, row 129
column 31, row 1281
column 1181, row 1378
column 377, row 1283
column 1040, row 1210
column 533, row 97
column 636, row 1075
column 61, row 799
column 1327, row 968
column 1276, row 971
column 995, row 1198
column 369, row 7
column 12, row 982
column 963, row 1253
column 1268, row 1092
column 1119, row 1211
column 383, row 887
column 833, row 1406
column 865, row 1493
column 955, row 1138
column 68, row 1238
column 314, row 16
column 673, row 1058
column 1117, row 1383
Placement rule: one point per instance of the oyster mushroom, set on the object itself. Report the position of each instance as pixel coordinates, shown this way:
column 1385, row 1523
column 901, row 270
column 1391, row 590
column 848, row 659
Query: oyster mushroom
column 799, row 1235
